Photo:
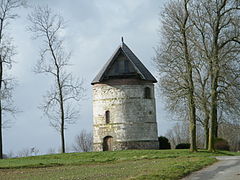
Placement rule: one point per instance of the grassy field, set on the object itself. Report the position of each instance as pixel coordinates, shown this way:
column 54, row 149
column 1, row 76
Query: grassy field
column 135, row 164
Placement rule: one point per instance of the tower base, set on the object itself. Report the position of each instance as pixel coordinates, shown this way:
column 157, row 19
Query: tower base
column 128, row 145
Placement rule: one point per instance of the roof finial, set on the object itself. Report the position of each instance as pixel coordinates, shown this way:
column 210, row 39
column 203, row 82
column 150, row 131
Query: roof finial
column 122, row 40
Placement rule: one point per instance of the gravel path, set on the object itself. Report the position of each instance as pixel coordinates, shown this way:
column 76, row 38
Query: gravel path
column 227, row 168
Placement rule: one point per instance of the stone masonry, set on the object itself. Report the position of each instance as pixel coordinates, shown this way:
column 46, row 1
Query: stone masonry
column 132, row 117
column 124, row 111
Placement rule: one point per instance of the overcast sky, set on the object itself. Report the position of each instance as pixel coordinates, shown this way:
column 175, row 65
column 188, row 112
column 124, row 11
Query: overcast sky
column 93, row 32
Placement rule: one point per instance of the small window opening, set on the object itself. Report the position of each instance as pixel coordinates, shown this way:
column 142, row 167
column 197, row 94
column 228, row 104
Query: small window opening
column 107, row 117
column 147, row 93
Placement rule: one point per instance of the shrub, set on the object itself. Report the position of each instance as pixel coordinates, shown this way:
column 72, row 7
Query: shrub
column 183, row 146
column 164, row 143
column 221, row 144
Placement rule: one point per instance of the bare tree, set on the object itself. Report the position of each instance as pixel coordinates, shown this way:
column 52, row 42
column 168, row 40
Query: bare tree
column 217, row 26
column 34, row 151
column 83, row 142
column 213, row 39
column 24, row 152
column 175, row 61
column 51, row 150
column 178, row 134
column 10, row 154
column 202, row 96
column 7, row 51
column 231, row 133
column 60, row 102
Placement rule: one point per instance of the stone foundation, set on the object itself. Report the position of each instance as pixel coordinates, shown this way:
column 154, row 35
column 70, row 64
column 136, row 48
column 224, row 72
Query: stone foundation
column 129, row 145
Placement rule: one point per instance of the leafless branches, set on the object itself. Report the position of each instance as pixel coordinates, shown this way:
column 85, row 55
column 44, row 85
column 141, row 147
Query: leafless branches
column 59, row 102
column 83, row 142
column 217, row 31
column 212, row 34
column 7, row 51
column 175, row 62
column 28, row 152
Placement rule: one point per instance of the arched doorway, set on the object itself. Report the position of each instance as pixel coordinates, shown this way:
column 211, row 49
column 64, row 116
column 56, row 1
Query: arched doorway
column 107, row 143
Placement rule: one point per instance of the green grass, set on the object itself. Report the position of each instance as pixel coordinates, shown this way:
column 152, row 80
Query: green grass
column 134, row 164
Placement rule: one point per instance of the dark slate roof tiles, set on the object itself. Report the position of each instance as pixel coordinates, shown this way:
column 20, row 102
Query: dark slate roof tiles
column 140, row 68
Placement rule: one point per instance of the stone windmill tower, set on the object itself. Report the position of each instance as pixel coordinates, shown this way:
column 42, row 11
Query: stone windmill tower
column 124, row 111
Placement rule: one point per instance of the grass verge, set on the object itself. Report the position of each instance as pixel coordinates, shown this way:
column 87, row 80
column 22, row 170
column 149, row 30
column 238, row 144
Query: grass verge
column 135, row 164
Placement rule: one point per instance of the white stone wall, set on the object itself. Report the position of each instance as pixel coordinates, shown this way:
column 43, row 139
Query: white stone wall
column 132, row 117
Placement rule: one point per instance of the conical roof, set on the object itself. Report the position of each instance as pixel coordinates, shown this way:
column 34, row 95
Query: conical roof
column 123, row 64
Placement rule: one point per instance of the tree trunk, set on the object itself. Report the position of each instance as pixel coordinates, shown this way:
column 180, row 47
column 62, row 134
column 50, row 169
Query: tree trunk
column 61, row 108
column 192, row 117
column 1, row 121
column 213, row 110
column 206, row 125
column 62, row 128
column 213, row 120
column 62, row 112
column 1, row 139
column 1, row 81
column 216, row 130
column 191, row 102
column 191, row 107
column 206, row 132
column 59, row 86
column 62, row 137
column 192, row 110
column 214, row 67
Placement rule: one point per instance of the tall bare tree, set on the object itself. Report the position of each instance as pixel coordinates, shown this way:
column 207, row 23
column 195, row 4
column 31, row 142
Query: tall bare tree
column 202, row 94
column 7, row 51
column 178, row 133
column 217, row 23
column 83, row 142
column 231, row 133
column 175, row 61
column 58, row 104
column 213, row 39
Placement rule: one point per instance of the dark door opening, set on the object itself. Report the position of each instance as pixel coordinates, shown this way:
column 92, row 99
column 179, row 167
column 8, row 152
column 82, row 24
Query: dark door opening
column 107, row 143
